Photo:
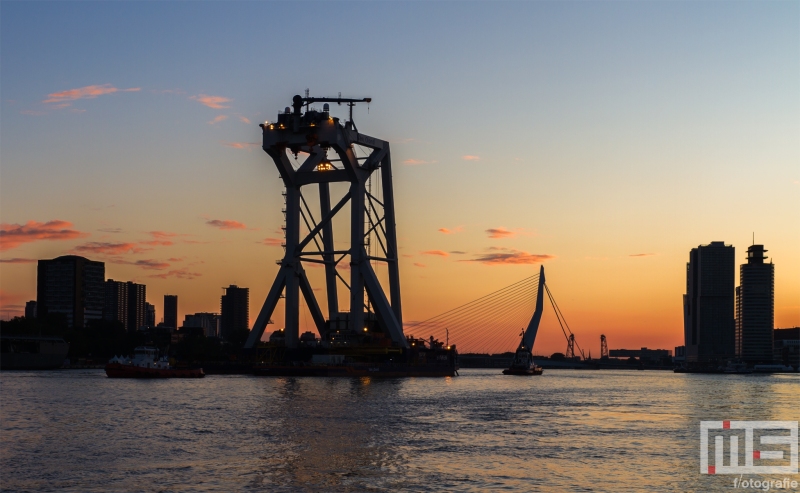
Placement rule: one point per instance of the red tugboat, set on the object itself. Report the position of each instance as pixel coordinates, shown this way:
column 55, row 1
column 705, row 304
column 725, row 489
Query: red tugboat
column 523, row 364
column 146, row 364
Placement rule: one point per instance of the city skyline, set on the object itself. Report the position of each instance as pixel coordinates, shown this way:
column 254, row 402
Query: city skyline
column 623, row 151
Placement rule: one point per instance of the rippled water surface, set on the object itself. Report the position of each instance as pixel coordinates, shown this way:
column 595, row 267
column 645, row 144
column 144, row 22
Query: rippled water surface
column 482, row 431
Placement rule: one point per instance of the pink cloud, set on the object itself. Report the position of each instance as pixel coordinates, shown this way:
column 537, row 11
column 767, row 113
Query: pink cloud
column 502, row 232
column 642, row 255
column 451, row 231
column 18, row 261
column 440, row 253
column 178, row 273
column 217, row 119
column 244, row 119
column 273, row 241
column 86, row 92
column 14, row 235
column 216, row 102
column 241, row 145
column 510, row 256
column 415, row 162
column 467, row 157
column 419, row 264
column 407, row 255
column 226, row 224
column 174, row 259
column 108, row 248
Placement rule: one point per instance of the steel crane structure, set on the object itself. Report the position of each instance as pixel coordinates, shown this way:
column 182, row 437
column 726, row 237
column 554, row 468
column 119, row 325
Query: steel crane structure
column 316, row 133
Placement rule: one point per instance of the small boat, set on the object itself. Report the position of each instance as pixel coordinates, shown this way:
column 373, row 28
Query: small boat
column 146, row 364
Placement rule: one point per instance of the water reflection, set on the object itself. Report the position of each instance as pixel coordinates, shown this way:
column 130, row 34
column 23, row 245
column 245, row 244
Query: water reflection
column 332, row 438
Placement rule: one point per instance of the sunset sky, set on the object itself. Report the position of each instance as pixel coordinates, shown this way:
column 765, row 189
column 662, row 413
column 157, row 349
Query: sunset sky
column 605, row 138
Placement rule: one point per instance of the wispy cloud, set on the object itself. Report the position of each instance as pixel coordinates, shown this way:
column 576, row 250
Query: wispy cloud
column 468, row 157
column 642, row 255
column 244, row 119
column 17, row 260
column 146, row 264
column 217, row 119
column 439, row 253
column 216, row 102
column 241, row 145
column 110, row 230
column 510, row 256
column 419, row 264
column 14, row 235
column 63, row 98
column 177, row 273
column 273, row 241
column 226, row 224
column 502, row 232
column 451, row 231
column 457, row 252
column 108, row 248
column 415, row 162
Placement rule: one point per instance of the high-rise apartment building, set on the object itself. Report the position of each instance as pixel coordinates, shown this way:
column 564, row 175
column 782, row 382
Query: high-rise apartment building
column 171, row 310
column 71, row 286
column 234, row 310
column 708, row 305
column 30, row 309
column 115, row 308
column 755, row 308
column 137, row 301
column 150, row 315
column 125, row 302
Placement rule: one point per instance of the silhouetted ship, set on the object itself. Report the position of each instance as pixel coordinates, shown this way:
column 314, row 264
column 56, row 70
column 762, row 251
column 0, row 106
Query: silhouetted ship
column 32, row 353
column 344, row 354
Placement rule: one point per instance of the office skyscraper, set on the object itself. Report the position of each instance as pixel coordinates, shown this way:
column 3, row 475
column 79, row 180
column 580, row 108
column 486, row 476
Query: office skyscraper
column 755, row 308
column 234, row 310
column 72, row 286
column 171, row 310
column 708, row 305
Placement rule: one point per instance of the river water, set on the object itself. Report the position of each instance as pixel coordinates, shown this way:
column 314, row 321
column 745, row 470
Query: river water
column 566, row 430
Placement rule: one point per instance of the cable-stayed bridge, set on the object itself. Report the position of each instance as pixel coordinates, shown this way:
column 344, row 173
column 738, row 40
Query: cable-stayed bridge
column 495, row 322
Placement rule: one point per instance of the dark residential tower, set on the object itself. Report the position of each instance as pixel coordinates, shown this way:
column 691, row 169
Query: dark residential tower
column 72, row 286
column 30, row 309
column 115, row 308
column 755, row 308
column 234, row 310
column 137, row 305
column 150, row 315
column 171, row 310
column 708, row 305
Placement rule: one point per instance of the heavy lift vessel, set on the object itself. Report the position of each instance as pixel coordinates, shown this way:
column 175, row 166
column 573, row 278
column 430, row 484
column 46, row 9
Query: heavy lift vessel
column 368, row 338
